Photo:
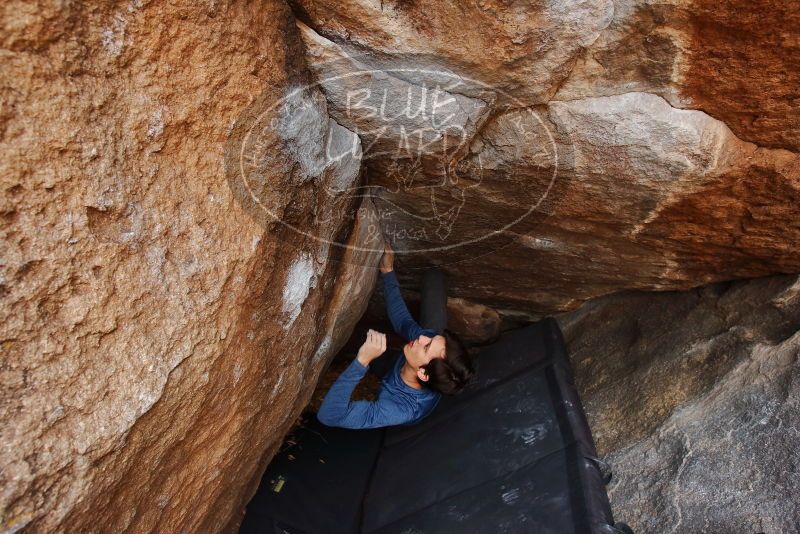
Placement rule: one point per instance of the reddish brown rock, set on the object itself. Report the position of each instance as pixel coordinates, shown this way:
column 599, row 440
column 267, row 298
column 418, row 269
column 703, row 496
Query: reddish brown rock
column 172, row 279
column 743, row 68
column 474, row 323
column 540, row 209
column 158, row 339
column 522, row 50
column 737, row 60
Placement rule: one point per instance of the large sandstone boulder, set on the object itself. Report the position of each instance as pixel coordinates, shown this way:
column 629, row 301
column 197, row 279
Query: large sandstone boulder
column 158, row 336
column 194, row 196
column 735, row 59
column 609, row 171
column 525, row 49
column 693, row 399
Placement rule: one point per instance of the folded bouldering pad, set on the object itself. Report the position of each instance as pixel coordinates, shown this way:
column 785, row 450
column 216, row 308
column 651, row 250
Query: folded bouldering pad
column 512, row 453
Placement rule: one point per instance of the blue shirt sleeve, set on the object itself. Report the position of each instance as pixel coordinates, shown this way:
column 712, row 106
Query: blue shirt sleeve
column 401, row 319
column 338, row 410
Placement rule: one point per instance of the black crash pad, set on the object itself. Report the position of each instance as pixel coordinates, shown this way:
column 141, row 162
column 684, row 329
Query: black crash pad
column 512, row 453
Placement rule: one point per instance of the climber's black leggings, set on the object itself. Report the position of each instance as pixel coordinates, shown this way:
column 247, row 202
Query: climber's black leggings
column 433, row 315
column 433, row 300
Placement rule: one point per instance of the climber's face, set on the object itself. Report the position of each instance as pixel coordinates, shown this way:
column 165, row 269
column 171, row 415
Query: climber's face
column 423, row 349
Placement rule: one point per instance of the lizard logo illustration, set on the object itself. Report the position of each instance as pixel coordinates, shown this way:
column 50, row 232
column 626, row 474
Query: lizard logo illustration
column 410, row 139
column 447, row 196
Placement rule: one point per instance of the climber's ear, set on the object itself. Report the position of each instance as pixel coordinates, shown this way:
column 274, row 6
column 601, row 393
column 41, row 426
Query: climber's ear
column 422, row 375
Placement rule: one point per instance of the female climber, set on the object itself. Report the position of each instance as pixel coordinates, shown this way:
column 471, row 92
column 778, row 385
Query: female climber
column 432, row 363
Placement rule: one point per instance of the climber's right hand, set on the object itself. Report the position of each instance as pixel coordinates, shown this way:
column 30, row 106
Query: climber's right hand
column 374, row 346
column 387, row 260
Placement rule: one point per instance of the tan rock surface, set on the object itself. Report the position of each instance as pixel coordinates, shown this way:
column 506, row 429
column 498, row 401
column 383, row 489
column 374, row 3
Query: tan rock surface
column 737, row 60
column 160, row 329
column 525, row 49
column 157, row 339
column 541, row 208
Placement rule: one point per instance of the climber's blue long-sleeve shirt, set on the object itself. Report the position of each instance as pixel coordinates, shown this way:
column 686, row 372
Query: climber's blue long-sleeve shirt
column 398, row 403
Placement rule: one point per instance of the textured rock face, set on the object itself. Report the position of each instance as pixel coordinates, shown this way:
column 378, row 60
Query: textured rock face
column 525, row 49
column 693, row 399
column 160, row 327
column 157, row 340
column 735, row 59
column 627, row 160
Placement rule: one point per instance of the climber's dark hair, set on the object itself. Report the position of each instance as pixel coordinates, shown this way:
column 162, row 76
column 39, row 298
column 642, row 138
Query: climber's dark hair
column 450, row 374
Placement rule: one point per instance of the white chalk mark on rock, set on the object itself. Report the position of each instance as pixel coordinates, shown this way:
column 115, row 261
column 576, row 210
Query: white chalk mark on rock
column 323, row 349
column 114, row 36
column 156, row 125
column 299, row 281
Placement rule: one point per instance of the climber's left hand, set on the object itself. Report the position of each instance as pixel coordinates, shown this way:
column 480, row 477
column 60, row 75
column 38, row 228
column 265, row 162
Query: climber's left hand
column 374, row 346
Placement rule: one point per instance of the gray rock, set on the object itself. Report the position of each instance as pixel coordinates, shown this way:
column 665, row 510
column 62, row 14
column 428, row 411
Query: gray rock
column 693, row 399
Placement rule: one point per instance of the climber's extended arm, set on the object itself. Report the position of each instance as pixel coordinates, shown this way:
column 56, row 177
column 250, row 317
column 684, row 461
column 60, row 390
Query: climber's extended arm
column 401, row 319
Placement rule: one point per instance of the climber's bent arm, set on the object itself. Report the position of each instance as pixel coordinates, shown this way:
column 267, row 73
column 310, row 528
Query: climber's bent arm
column 338, row 410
